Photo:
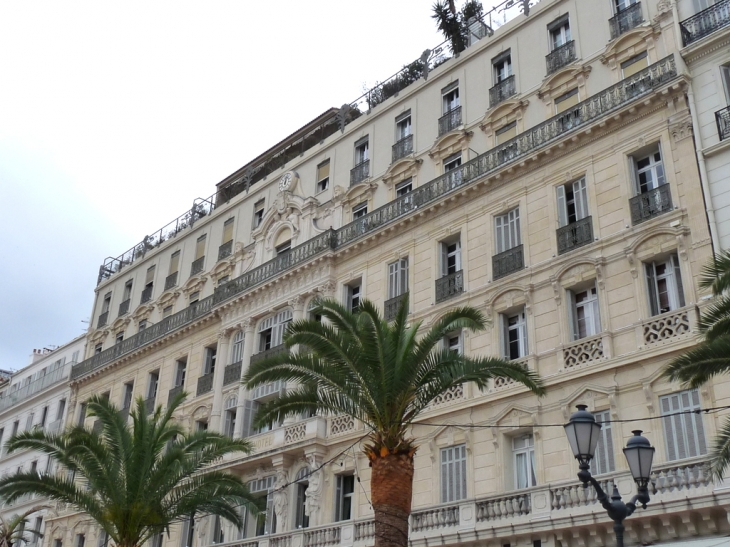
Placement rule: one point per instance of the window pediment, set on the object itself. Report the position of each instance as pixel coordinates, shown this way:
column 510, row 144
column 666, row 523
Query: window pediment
column 449, row 144
column 168, row 298
column 359, row 193
column 507, row 112
column 401, row 170
column 594, row 397
column 142, row 312
column 195, row 283
column 119, row 324
column 629, row 44
column 564, row 80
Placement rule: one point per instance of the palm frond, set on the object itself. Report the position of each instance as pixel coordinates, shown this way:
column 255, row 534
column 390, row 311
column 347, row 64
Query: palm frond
column 701, row 364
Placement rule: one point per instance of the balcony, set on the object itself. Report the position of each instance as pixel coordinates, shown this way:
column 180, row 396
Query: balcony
column 124, row 307
column 502, row 91
column 560, row 57
column 403, row 148
column 174, row 392
column 449, row 286
column 582, row 352
column 225, row 250
column 197, row 266
column 149, row 405
column 669, row 326
column 205, row 384
column 39, row 384
column 232, row 373
column 625, row 20
column 510, row 261
column 723, row 123
column 101, row 322
column 574, row 235
column 391, row 306
column 359, row 173
column 705, row 22
column 281, row 348
column 268, row 391
column 146, row 295
column 450, row 121
column 170, row 281
column 650, row 204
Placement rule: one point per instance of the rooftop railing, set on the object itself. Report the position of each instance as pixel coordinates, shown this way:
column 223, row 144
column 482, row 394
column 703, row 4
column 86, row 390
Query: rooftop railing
column 597, row 106
column 705, row 22
column 39, row 384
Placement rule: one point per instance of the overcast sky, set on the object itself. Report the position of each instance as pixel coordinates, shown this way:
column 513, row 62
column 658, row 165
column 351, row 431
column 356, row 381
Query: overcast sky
column 115, row 116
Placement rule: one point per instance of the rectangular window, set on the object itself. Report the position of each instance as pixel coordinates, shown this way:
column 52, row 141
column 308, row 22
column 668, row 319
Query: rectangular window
column 450, row 257
column 572, row 202
column 566, row 101
column 80, row 540
column 403, row 188
column 218, row 536
column 586, row 317
column 193, row 298
column 283, row 248
column 635, row 64
column 223, row 280
column 603, row 461
column 725, row 76
column 502, row 67
column 453, row 473
column 453, row 343
column 237, row 347
column 61, row 409
column 266, row 520
column 80, row 422
column 450, row 97
column 514, row 335
column 343, row 497
column 227, row 231
column 403, row 126
column 102, row 540
column 353, row 294
column 106, row 303
column 621, row 5
column 44, row 417
column 142, row 325
column 230, row 423
column 98, row 348
column 302, row 519
column 507, row 230
column 559, row 32
column 200, row 247
column 360, row 210
column 127, row 290
column 523, row 454
column 684, row 434
column 505, row 133
column 181, row 367
column 166, row 311
column 174, row 262
column 323, row 176
column 119, row 338
column 29, row 421
column 397, row 278
column 149, row 276
column 127, row 395
column 57, row 543
column 210, row 358
column 153, row 382
column 452, row 162
column 664, row 282
column 649, row 172
column 362, row 151
column 75, row 356
column 258, row 213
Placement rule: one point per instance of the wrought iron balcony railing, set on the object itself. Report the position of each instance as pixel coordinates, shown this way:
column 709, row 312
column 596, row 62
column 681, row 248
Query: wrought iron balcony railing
column 722, row 117
column 650, row 204
column 101, row 322
column 627, row 91
column 205, row 384
column 449, row 285
column 625, row 20
column 450, row 121
column 146, row 295
column 574, row 235
column 360, row 172
column 705, row 22
column 232, row 373
column 225, row 250
column 507, row 262
column 502, row 91
column 50, row 379
column 281, row 348
column 124, row 307
column 403, row 148
column 390, row 308
column 149, row 405
column 560, row 57
column 197, row 266
column 174, row 392
column 170, row 281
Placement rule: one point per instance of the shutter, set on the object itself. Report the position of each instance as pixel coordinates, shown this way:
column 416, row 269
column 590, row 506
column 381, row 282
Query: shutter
column 227, row 426
column 562, row 208
column 572, row 316
column 698, row 425
column 444, row 259
column 678, row 281
column 185, row 533
column 458, row 256
column 249, row 409
column 517, row 238
column 651, row 285
column 403, row 275
column 392, row 280
column 725, row 72
column 499, row 232
column 596, row 315
column 523, row 335
column 29, row 422
column 580, row 195
column 505, row 335
column 673, row 428
column 338, row 498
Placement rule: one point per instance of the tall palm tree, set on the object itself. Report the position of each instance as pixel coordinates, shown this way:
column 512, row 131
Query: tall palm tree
column 13, row 531
column 134, row 480
column 382, row 375
column 711, row 357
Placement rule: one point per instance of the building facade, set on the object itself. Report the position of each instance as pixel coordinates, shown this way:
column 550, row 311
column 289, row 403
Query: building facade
column 546, row 176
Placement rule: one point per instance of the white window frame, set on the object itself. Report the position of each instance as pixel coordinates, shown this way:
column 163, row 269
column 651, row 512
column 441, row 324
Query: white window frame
column 672, row 280
column 588, row 307
column 275, row 326
column 323, row 183
column 453, row 473
column 341, row 497
column 502, row 67
column 454, row 342
column 621, row 5
column 507, row 230
column 451, row 169
column 519, row 327
column 684, row 434
column 572, row 202
column 403, row 188
column 653, row 170
column 403, row 128
column 362, row 152
column 237, row 347
column 360, row 210
column 450, row 99
column 353, row 295
column 604, row 459
column 181, row 369
column 559, row 34
column 259, row 209
column 450, row 250
column 398, row 277
column 523, row 462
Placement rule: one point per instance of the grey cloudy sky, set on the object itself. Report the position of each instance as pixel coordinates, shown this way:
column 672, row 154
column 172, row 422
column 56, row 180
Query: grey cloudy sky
column 114, row 116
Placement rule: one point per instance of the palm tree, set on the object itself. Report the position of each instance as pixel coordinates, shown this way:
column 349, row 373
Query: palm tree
column 711, row 356
column 454, row 25
column 13, row 531
column 380, row 374
column 134, row 481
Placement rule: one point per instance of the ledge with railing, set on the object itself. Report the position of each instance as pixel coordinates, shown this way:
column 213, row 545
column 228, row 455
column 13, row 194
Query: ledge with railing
column 174, row 392
column 170, row 281
column 390, row 308
column 650, row 204
column 232, row 373
column 722, row 117
column 205, row 384
column 706, row 22
column 574, row 235
column 625, row 20
column 449, row 286
column 146, row 295
column 197, row 266
column 450, row 121
column 502, row 91
column 124, row 307
column 507, row 262
column 596, row 107
column 225, row 250
column 360, row 172
column 403, row 148
column 560, row 57
column 52, row 378
column 103, row 318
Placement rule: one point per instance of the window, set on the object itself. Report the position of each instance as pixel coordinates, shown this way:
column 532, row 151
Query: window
column 174, row 262
column 397, row 278
column 97, row 348
column 559, row 32
column 302, row 482
column 403, row 188
column 566, row 101
column 141, row 325
column 323, row 176
column 150, row 277
column 229, row 426
column 403, row 126
column 210, row 358
column 127, row 392
column 106, row 303
column 218, row 536
column 156, row 540
column 2, row 432
column 635, row 64
column 585, row 315
column 450, row 97
column 237, row 347
column 360, row 210
column 80, row 539
column 649, row 172
column 227, row 231
column 223, row 280
column 514, row 335
column 451, row 168
column 153, row 382
column 362, row 151
column 603, row 461
column 181, row 367
column 80, row 422
column 621, row 5
column 271, row 329
column 29, row 421
column 523, row 454
column 572, row 202
column 502, row 67
column 725, row 76
column 258, row 213
column 57, row 543
column 507, row 230
column 505, row 133
column 453, row 473
column 201, row 425
column 453, row 343
column 353, row 293
column 664, row 281
column 283, row 248
column 193, row 298
column 450, row 257
column 61, row 409
column 44, row 417
column 200, row 247
column 701, row 5
column 75, row 356
column 127, row 290
column 119, row 338
column 684, row 434
column 166, row 311
column 103, row 539
column 266, row 520
column 343, row 497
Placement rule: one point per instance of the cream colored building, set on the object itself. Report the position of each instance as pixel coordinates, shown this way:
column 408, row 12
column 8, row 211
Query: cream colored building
column 546, row 176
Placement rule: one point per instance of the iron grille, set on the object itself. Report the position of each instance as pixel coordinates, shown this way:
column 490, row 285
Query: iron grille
column 102, row 320
column 705, row 22
column 197, row 266
column 124, row 307
column 174, row 392
column 225, row 250
column 574, row 235
column 232, row 373
column 625, row 20
column 149, row 405
column 510, row 261
column 205, row 384
column 560, row 57
column 723, row 123
column 450, row 121
column 392, row 306
column 170, row 281
column 502, row 91
column 650, row 204
column 449, row 285
column 360, row 172
column 403, row 147
column 146, row 295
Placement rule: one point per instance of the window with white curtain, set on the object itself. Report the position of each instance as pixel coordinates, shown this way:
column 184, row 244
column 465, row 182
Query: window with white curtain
column 523, row 454
column 664, row 283
column 572, row 202
column 584, row 311
column 453, row 473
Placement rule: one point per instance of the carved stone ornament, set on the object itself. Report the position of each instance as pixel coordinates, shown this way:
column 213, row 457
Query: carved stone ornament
column 328, row 289
column 359, row 193
column 450, row 143
column 98, row 336
column 630, row 44
column 401, row 170
column 194, row 284
column 505, row 113
column 168, row 298
column 142, row 312
column 313, row 500
column 281, row 499
column 564, row 80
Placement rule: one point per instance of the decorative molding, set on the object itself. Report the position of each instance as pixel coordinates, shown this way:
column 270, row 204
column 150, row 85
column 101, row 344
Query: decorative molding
column 450, row 143
column 563, row 81
column 505, row 113
column 631, row 43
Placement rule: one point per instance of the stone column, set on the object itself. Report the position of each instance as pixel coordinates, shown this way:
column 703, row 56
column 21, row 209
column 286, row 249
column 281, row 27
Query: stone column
column 249, row 339
column 220, row 365
column 313, row 500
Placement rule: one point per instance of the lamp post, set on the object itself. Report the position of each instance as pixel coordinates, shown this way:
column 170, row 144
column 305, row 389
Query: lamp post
column 583, row 432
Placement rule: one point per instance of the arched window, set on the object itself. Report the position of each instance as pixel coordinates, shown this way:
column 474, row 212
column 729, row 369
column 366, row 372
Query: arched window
column 271, row 329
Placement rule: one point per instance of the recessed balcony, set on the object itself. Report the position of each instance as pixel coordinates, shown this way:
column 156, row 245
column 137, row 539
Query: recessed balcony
column 403, row 148
column 574, row 235
column 510, row 261
column 197, row 266
column 391, row 306
column 723, row 123
column 625, row 20
column 650, row 204
column 705, row 22
column 502, row 91
column 170, row 281
column 449, row 286
column 359, row 173
column 450, row 121
column 560, row 57
column 225, row 250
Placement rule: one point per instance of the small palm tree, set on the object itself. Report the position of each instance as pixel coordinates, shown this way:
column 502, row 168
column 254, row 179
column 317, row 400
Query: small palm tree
column 453, row 24
column 711, row 357
column 380, row 374
column 13, row 531
column 134, row 481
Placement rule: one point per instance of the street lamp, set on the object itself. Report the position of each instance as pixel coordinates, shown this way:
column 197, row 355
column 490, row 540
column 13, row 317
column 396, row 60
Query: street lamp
column 583, row 432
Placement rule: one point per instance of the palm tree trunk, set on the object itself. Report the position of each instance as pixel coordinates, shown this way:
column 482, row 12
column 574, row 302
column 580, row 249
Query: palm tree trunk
column 391, row 486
